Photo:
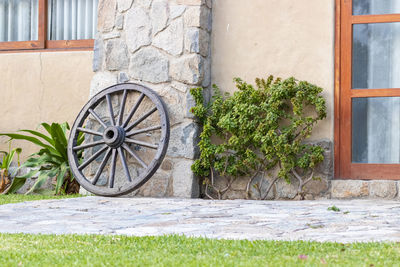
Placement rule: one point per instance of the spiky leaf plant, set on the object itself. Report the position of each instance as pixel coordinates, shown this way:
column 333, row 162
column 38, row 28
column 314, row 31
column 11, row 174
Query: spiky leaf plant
column 51, row 160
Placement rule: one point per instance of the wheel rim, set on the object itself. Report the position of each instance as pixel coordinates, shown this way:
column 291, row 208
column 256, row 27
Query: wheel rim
column 126, row 129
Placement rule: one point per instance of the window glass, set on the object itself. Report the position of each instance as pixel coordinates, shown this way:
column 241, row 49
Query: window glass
column 368, row 7
column 18, row 20
column 376, row 130
column 376, row 54
column 72, row 19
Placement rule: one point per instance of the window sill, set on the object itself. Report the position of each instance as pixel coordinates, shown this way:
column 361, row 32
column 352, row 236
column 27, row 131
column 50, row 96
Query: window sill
column 50, row 46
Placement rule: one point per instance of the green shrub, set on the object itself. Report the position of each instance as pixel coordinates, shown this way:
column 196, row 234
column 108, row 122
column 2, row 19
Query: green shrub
column 51, row 160
column 259, row 129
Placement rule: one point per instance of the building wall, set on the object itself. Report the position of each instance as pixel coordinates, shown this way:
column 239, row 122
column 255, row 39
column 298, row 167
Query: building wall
column 281, row 37
column 40, row 87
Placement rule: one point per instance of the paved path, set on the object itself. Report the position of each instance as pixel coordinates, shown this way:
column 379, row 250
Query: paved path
column 358, row 220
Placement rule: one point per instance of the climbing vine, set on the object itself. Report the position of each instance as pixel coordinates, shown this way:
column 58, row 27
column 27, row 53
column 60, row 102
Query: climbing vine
column 258, row 129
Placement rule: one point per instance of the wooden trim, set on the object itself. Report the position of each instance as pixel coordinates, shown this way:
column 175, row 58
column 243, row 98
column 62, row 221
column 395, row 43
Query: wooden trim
column 42, row 44
column 42, row 23
column 66, row 44
column 345, row 87
column 15, row 51
column 20, row 45
column 336, row 148
column 369, row 171
column 344, row 168
column 374, row 92
column 375, row 18
column 33, row 44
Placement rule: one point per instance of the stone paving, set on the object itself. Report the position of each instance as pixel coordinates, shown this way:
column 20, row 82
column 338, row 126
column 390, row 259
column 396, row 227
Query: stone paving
column 357, row 220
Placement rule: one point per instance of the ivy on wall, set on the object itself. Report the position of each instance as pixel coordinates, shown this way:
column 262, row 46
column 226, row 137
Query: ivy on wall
column 256, row 130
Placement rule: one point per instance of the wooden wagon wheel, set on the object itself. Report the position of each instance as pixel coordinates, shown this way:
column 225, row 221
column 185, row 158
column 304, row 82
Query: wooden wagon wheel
column 126, row 131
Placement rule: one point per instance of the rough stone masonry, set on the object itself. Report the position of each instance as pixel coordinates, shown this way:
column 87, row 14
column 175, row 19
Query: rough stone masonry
column 164, row 45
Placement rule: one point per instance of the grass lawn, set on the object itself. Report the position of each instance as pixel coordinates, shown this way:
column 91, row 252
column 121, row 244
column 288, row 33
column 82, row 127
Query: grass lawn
column 67, row 250
column 14, row 198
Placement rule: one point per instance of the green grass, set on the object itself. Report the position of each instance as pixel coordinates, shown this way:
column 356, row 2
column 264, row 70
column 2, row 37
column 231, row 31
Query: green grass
column 15, row 198
column 89, row 250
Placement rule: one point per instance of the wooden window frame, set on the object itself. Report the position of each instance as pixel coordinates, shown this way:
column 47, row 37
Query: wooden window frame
column 42, row 43
column 344, row 168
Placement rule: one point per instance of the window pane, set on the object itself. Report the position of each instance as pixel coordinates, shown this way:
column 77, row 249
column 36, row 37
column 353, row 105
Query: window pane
column 376, row 56
column 18, row 20
column 376, row 130
column 366, row 7
column 72, row 19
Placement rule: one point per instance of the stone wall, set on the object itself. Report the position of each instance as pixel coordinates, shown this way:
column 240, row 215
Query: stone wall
column 164, row 45
column 348, row 189
column 281, row 189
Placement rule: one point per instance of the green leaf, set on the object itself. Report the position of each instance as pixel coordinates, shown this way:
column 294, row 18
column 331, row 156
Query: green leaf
column 60, row 141
column 42, row 160
column 80, row 139
column 26, row 138
column 62, row 132
column 33, row 162
column 51, row 154
column 45, row 137
column 43, row 176
column 47, row 127
column 61, row 177
column 16, row 184
column 28, row 175
column 65, row 127
column 19, row 181
column 29, row 139
column 9, row 159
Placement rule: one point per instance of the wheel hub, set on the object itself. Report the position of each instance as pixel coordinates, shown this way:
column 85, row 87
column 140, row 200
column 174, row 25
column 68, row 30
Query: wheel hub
column 114, row 136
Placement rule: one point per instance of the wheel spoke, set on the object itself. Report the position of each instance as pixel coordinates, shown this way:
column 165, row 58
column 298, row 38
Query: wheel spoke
column 89, row 131
column 133, row 154
column 93, row 157
column 141, row 119
column 102, row 165
column 110, row 109
column 140, row 143
column 112, row 170
column 94, row 114
column 132, row 112
column 123, row 161
column 145, row 130
column 76, row 148
column 122, row 108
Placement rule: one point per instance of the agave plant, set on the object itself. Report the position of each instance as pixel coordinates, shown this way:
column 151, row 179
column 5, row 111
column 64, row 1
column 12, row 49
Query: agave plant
column 5, row 172
column 51, row 160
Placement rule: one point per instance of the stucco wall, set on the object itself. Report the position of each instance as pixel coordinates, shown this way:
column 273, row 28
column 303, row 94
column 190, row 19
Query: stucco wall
column 281, row 37
column 41, row 87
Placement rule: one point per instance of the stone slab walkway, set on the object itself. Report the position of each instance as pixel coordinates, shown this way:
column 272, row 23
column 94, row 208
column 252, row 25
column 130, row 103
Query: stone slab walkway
column 358, row 220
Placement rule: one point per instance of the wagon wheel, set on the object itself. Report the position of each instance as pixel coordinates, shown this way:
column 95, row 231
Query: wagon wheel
column 126, row 133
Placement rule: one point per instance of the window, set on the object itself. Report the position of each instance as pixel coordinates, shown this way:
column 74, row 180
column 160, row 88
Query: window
column 367, row 102
column 50, row 24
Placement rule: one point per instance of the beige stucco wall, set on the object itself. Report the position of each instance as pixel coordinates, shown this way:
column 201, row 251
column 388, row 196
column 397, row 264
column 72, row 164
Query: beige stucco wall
column 285, row 38
column 41, row 87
